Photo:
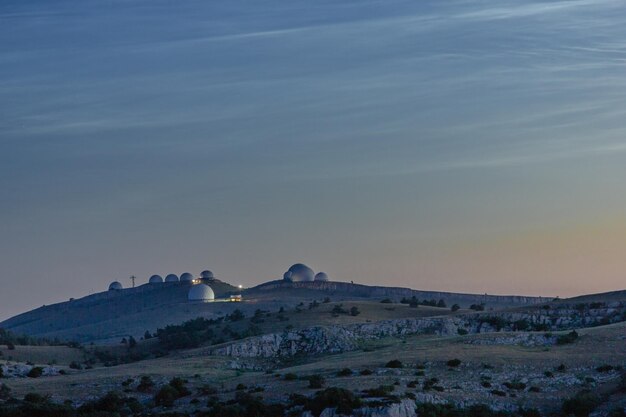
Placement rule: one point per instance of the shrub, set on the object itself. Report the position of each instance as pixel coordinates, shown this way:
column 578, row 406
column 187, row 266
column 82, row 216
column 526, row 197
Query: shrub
column 486, row 384
column 549, row 374
column 498, row 393
column 179, row 385
column 534, row 389
column 565, row 339
column 386, row 301
column 395, row 363
column 240, row 387
column 75, row 365
column 455, row 307
column 478, row 307
column 345, row 372
column 5, row 391
column 366, row 372
column 290, row 377
column 35, row 372
column 354, row 311
column 316, row 381
column 461, row 332
column 581, row 404
column 145, row 384
column 166, row 396
column 605, row 368
column 441, row 304
column 453, row 363
column 380, row 391
column 515, row 385
column 343, row 400
column 561, row 368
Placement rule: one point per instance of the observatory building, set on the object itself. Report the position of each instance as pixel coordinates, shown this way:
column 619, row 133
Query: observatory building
column 186, row 277
column 155, row 279
column 321, row 276
column 115, row 285
column 207, row 275
column 299, row 273
column 201, row 293
column 171, row 278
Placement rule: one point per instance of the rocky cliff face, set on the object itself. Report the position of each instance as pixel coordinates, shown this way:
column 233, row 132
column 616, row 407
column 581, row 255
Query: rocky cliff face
column 333, row 339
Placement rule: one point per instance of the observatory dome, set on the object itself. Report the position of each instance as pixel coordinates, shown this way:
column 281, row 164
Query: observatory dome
column 171, row 278
column 186, row 276
column 115, row 285
column 207, row 275
column 155, row 279
column 287, row 276
column 300, row 272
column 201, row 292
column 321, row 276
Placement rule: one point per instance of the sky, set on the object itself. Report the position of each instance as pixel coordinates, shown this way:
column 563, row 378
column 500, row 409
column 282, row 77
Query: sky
column 468, row 146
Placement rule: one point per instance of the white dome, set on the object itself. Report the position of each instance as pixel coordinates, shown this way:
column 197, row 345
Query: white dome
column 287, row 276
column 201, row 292
column 207, row 274
column 155, row 279
column 115, row 285
column 171, row 278
column 186, row 276
column 321, row 276
column 301, row 272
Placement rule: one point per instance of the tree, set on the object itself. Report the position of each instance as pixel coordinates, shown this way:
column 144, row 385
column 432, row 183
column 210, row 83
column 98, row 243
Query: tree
column 131, row 342
column 455, row 307
column 147, row 335
column 413, row 302
column 354, row 311
column 316, row 381
column 441, row 303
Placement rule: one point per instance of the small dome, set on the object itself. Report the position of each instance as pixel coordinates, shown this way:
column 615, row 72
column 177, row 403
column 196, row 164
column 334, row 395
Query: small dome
column 115, row 285
column 186, row 276
column 155, row 279
column 301, row 272
column 207, row 274
column 287, row 276
column 171, row 278
column 321, row 276
column 201, row 292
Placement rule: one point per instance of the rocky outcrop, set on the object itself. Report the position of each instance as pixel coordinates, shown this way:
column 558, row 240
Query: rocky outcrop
column 404, row 408
column 335, row 339
column 19, row 370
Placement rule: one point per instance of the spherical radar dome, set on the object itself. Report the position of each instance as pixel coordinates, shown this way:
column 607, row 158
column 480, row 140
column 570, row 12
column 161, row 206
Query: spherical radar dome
column 321, row 276
column 207, row 274
column 186, row 276
column 155, row 279
column 115, row 285
column 171, row 278
column 301, row 272
column 201, row 292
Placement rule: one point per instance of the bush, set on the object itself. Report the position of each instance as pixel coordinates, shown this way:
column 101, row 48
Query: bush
column 354, row 311
column 75, row 365
column 515, row 385
column 461, row 332
column 166, row 396
column 5, row 391
column 290, row 377
column 455, row 307
column 145, row 384
column 605, row 368
column 179, row 385
column 316, row 381
column 395, row 363
column 565, row 339
column 35, row 372
column 386, row 301
column 343, row 400
column 345, row 372
column 498, row 393
column 366, row 372
column 441, row 304
column 581, row 404
column 453, row 363
column 478, row 307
